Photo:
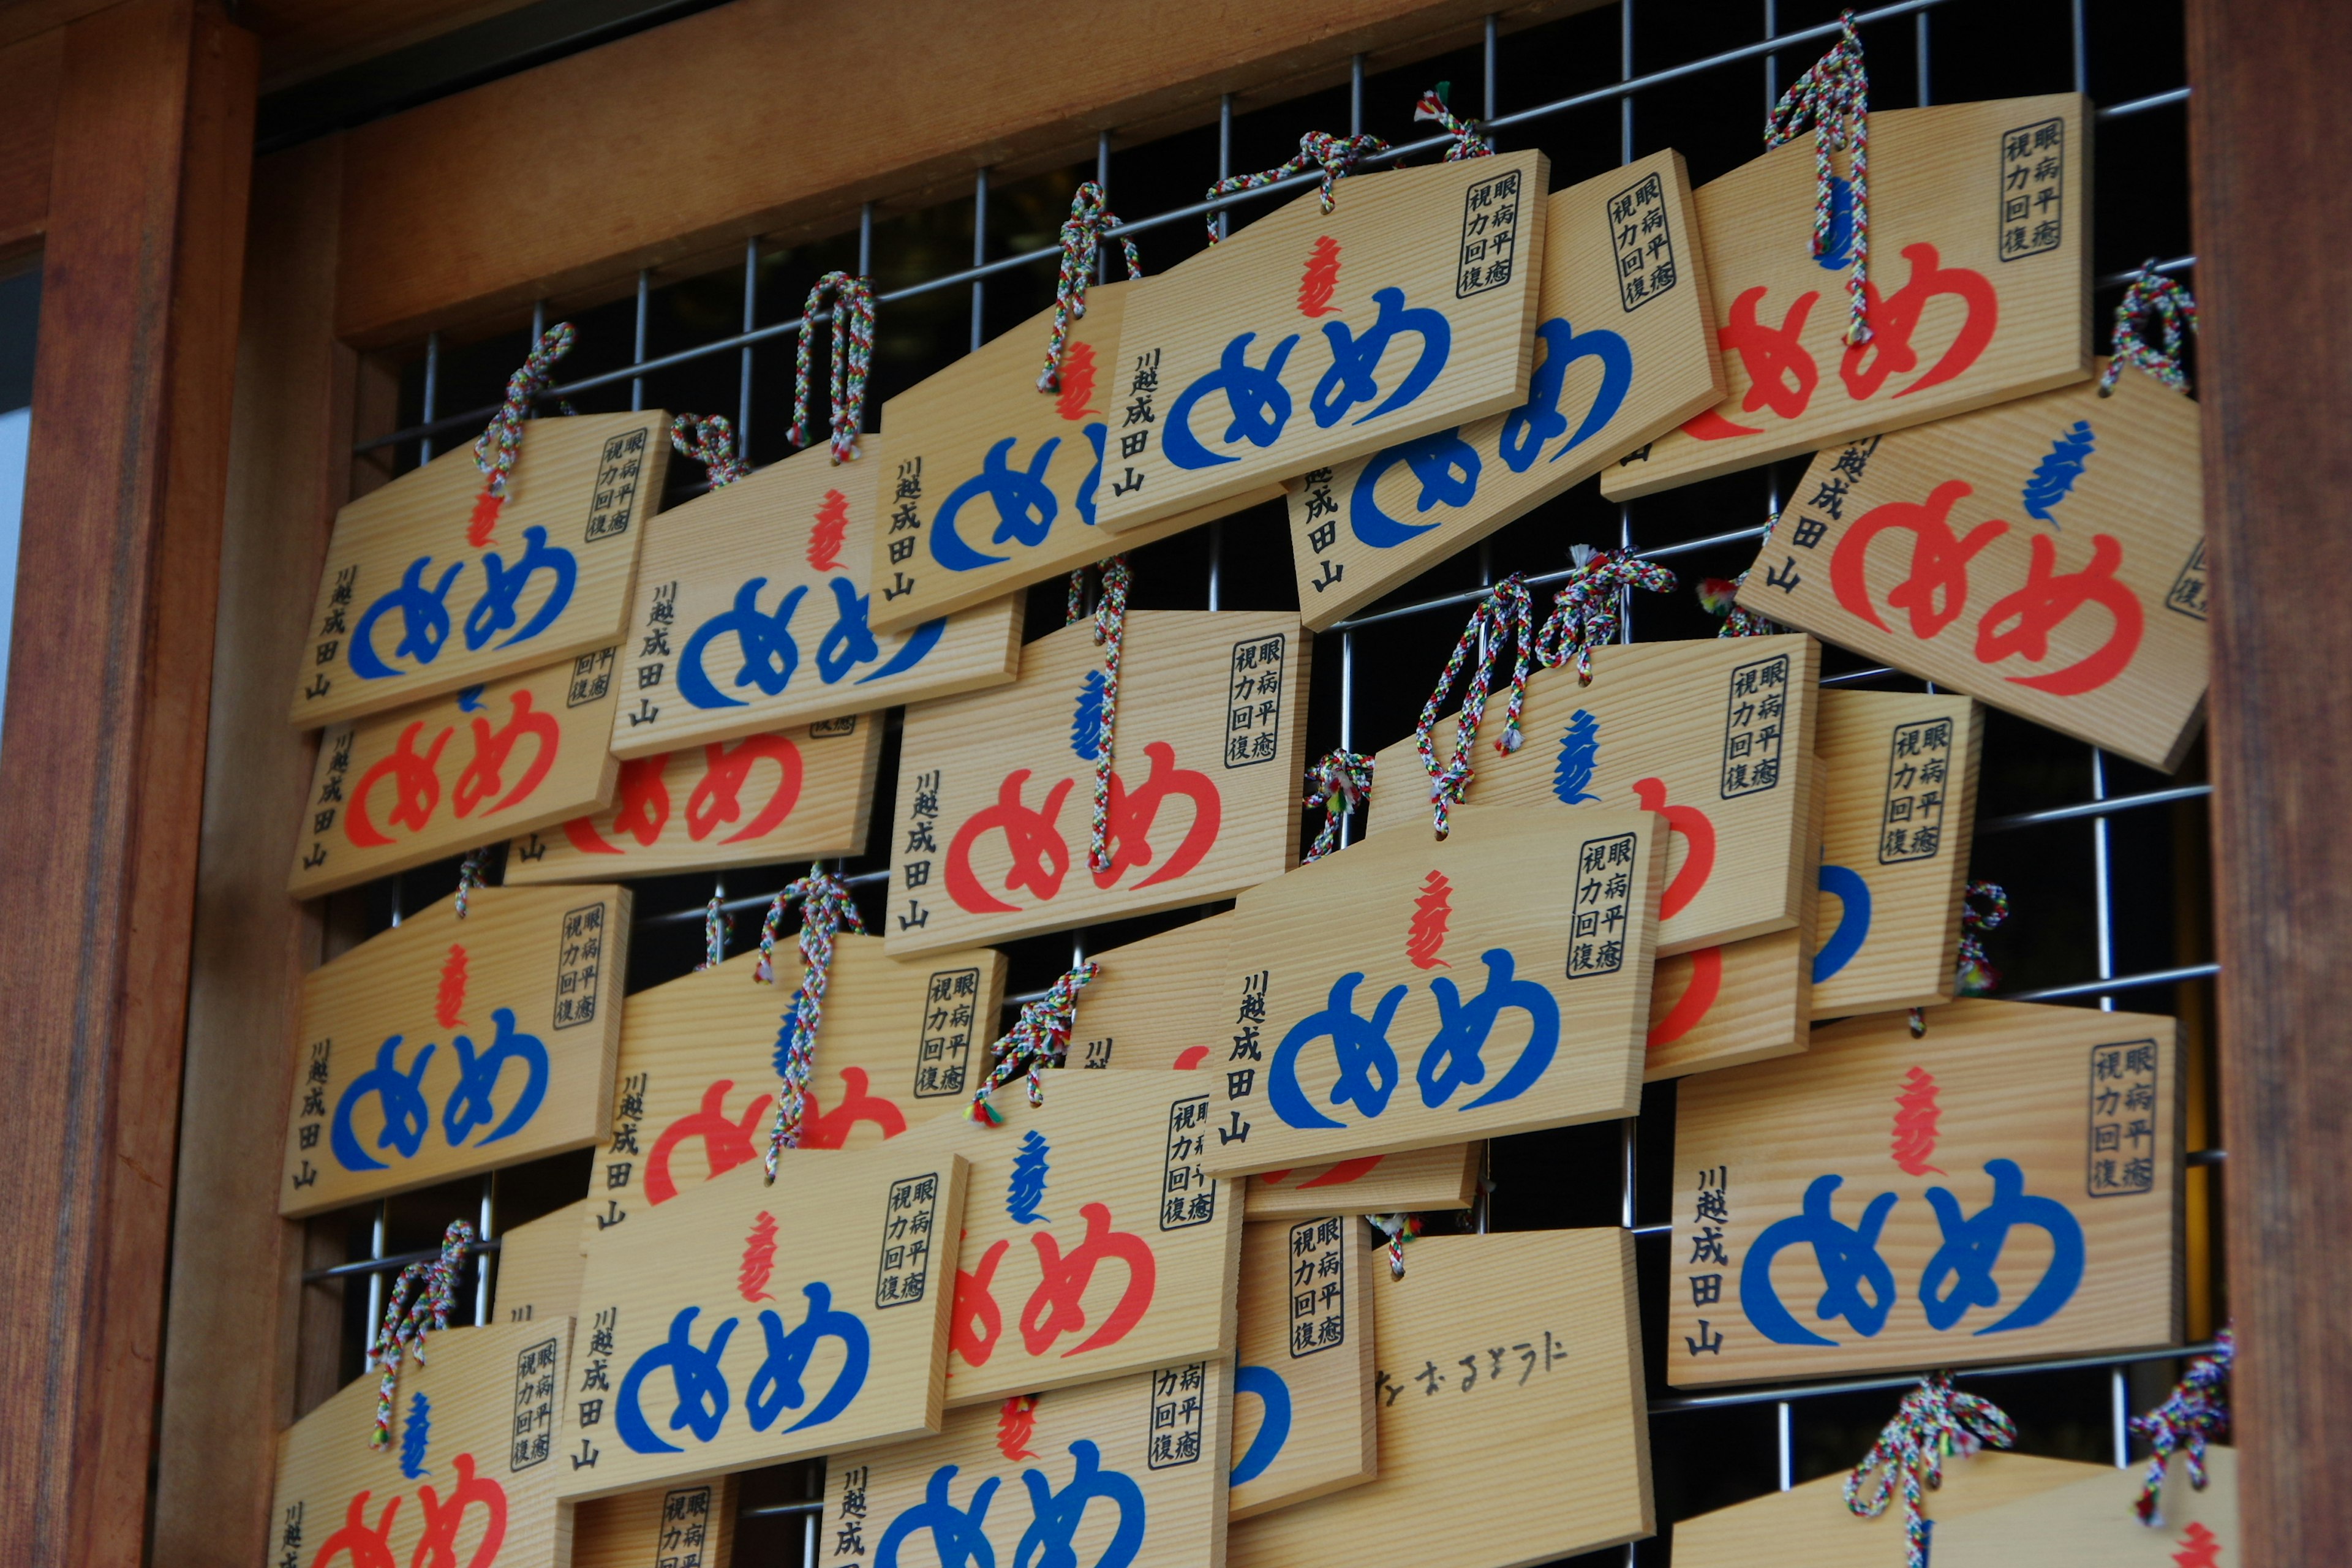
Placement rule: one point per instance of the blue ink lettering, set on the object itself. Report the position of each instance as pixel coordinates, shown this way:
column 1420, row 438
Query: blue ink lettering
column 1972, row 1247
column 770, row 654
column 695, row 1373
column 1452, row 1060
column 494, row 612
column 477, row 1081
column 1847, row 1257
column 957, row 1535
column 1027, row 1188
column 1095, row 434
column 424, row 622
column 414, row 1436
column 1447, row 467
column 405, row 1115
column 2054, row 479
column 1051, row 1540
column 1086, row 723
column 1852, row 895
column 1258, row 401
column 1354, row 375
column 776, row 1386
column 1273, row 1423
column 1368, row 1063
column 1025, row 507
column 1838, row 243
column 1579, row 754
column 1527, row 428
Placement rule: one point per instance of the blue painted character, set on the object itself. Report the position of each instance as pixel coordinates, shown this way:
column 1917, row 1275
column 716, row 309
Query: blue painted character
column 469, row 698
column 700, row 1381
column 1847, row 1257
column 405, row 1115
column 1354, row 375
column 1025, row 507
column 2055, row 478
column 1852, row 895
column 957, row 1534
column 765, row 641
column 494, row 612
column 1529, row 427
column 470, row 1103
column 1368, row 1063
column 776, row 1386
column 1452, row 1060
column 1447, row 467
column 1837, row 244
column 1027, row 1190
column 1050, row 1542
column 1972, row 1246
column 850, row 642
column 1580, row 755
column 1095, row 434
column 1259, row 403
column 414, row 1433
column 1273, row 1421
column 424, row 622
column 1086, row 720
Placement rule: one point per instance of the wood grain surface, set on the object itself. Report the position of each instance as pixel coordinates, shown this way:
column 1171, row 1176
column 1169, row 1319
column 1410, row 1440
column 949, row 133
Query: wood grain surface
column 670, row 1527
column 540, row 1265
column 1303, row 1418
column 1810, row 1526
column 2094, row 1521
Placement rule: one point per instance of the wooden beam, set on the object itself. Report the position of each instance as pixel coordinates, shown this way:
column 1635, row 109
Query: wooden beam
column 2268, row 125
column 781, row 116
column 29, row 73
column 101, row 766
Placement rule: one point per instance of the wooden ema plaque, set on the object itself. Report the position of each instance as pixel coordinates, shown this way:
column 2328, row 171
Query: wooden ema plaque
column 996, row 788
column 1094, row 1244
column 2006, row 1187
column 747, row 1324
column 1128, row 1471
column 1422, row 285
column 443, row 1047
column 2046, row 556
column 1156, row 1005
column 2092, row 1521
column 753, row 613
column 1810, row 1526
column 805, row 793
column 1971, row 301
column 406, row 788
column 1717, row 735
column 1303, row 1420
column 1900, row 772
column 670, row 1527
column 1497, row 982
column 994, row 484
column 418, row 598
column 537, row 1276
column 1518, row 1349
column 701, row 1056
column 478, row 1433
column 1624, row 351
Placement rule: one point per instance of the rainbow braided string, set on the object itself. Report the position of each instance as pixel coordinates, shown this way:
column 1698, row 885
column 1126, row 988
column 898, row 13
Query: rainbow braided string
column 1398, row 1228
column 1719, row 598
column 826, row 908
column 853, row 359
column 1090, row 222
column 2196, row 1409
column 1933, row 1422
column 1835, row 95
column 2150, row 294
column 1467, row 142
column 1110, row 636
column 1335, row 155
column 1977, row 976
column 418, row 1304
column 714, row 935
column 1038, row 1039
column 1584, row 613
column 501, row 442
column 710, row 440
column 1335, row 787
column 1504, row 614
column 470, row 877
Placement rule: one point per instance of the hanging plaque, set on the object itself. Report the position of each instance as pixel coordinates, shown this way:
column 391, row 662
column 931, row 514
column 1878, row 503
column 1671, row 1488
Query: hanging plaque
column 798, row 795
column 1716, row 735
column 701, row 1056
column 994, row 484
column 419, row 785
column 1810, row 1526
column 537, row 1276
column 417, row 597
column 995, row 788
column 2092, row 1521
column 2046, row 556
column 1362, row 967
column 443, row 1047
column 748, row 1324
column 478, row 1426
column 1303, row 1422
column 1128, row 1471
column 690, row 1526
column 1625, row 352
column 1979, row 236
column 753, row 606
column 1517, row 1352
column 1422, row 283
column 2006, row 1187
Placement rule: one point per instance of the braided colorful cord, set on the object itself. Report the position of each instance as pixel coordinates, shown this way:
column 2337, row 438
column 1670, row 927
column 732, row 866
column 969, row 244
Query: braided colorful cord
column 2196, row 1409
column 1110, row 636
column 1720, row 596
column 826, row 907
column 1584, row 613
column 1038, row 1039
column 1504, row 614
column 1934, row 1421
column 853, row 359
column 714, row 934
column 1977, row 976
column 1834, row 94
column 470, row 877
column 1089, row 223
column 708, row 439
column 501, row 442
column 1398, row 1228
column 1336, row 785
column 419, row 1304
column 1335, row 155
column 2150, row 294
column 1467, row 141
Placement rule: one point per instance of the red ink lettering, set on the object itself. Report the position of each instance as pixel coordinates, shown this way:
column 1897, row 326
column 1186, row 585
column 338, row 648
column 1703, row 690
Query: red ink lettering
column 1936, row 588
column 1131, row 816
column 759, row 1259
column 1322, row 275
column 725, row 1143
column 416, row 788
column 366, row 1548
column 1697, row 834
column 1057, row 1307
column 822, row 1129
column 1696, row 1001
column 485, row 775
column 1040, row 858
column 1077, row 381
column 449, row 1001
column 1916, row 1116
column 1780, row 372
column 437, row 1547
column 1430, row 910
column 716, row 800
column 1893, row 320
column 2021, row 622
column 826, row 537
column 974, row 1322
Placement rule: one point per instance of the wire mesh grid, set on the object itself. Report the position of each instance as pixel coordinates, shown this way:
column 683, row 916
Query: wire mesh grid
column 2106, row 862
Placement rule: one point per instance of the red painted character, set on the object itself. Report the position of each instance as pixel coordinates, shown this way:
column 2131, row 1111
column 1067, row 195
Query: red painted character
column 1782, row 375
column 1057, row 1307
column 365, row 1548
column 2021, row 622
column 725, row 1143
column 1131, row 815
column 643, row 811
column 1077, row 381
column 1916, row 1117
column 716, row 799
column 437, row 1547
column 1016, row 1422
column 974, row 1321
column 1893, row 318
column 1430, row 910
column 822, row 1129
column 485, row 775
column 1697, row 833
column 1040, row 858
column 1322, row 275
column 415, row 784
column 1936, row 590
column 825, row 536
column 1696, row 1001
